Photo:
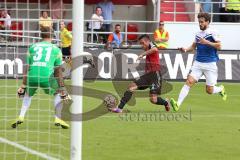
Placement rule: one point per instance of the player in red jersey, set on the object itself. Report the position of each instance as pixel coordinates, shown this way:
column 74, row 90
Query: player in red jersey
column 151, row 78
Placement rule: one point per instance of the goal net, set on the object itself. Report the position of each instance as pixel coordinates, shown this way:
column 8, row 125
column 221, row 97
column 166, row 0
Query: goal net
column 37, row 137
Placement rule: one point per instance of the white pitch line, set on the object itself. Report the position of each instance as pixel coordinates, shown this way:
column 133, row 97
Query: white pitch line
column 14, row 144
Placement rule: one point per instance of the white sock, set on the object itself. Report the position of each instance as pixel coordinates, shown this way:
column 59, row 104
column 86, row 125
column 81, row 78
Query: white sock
column 25, row 105
column 58, row 106
column 183, row 93
column 217, row 89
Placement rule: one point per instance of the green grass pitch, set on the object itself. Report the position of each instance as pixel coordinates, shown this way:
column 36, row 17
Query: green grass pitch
column 206, row 127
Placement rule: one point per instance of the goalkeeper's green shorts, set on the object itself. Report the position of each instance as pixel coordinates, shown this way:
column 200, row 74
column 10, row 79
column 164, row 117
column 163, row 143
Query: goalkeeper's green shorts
column 50, row 87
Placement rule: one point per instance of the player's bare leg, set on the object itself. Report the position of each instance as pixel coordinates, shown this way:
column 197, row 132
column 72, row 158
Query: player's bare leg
column 127, row 96
column 217, row 90
column 183, row 93
column 154, row 99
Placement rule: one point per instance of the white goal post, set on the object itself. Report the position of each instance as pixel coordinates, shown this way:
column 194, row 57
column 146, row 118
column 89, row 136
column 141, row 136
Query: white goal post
column 77, row 78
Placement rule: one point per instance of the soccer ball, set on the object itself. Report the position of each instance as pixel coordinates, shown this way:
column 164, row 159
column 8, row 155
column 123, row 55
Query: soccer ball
column 109, row 101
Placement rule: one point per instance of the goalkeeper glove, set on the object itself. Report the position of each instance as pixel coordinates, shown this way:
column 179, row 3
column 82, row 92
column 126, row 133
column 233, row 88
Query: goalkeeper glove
column 63, row 93
column 21, row 91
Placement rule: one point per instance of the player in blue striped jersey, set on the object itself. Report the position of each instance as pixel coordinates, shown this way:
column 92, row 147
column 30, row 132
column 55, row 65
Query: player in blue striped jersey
column 206, row 43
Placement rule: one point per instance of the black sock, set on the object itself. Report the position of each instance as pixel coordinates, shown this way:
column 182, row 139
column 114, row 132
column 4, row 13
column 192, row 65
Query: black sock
column 127, row 96
column 161, row 101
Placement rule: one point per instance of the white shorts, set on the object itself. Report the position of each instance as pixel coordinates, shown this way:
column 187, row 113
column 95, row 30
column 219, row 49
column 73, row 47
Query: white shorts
column 209, row 70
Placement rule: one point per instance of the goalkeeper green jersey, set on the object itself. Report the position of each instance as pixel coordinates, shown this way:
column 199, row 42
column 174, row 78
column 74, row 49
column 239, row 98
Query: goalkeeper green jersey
column 42, row 58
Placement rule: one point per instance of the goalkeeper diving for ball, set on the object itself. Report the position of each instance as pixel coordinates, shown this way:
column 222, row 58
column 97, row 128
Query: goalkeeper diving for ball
column 44, row 71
